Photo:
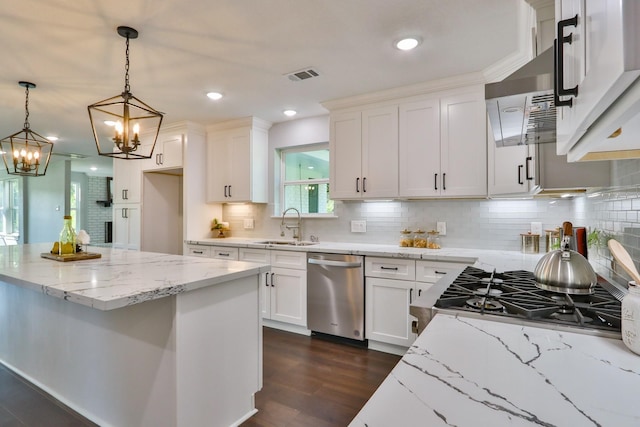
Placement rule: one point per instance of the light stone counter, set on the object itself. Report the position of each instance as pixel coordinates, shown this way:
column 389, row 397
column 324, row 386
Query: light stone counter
column 118, row 279
column 473, row 372
column 483, row 258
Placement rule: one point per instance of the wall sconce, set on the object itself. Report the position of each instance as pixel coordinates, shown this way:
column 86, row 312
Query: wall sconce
column 26, row 153
column 118, row 121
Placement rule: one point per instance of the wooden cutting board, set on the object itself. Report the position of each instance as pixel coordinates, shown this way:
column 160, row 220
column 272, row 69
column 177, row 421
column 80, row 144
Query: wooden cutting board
column 71, row 257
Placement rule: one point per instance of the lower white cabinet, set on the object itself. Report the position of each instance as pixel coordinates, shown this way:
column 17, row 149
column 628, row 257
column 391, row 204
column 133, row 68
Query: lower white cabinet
column 284, row 289
column 218, row 252
column 126, row 226
column 387, row 311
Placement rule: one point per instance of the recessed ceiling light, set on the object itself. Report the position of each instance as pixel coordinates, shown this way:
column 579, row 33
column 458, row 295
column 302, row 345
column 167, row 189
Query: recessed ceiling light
column 290, row 113
column 52, row 138
column 408, row 43
column 214, row 95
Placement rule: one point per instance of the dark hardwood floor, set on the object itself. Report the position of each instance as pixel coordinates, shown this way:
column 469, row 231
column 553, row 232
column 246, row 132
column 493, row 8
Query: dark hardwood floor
column 308, row 381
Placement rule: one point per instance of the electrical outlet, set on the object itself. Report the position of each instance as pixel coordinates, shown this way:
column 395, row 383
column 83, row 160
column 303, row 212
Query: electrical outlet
column 358, row 226
column 248, row 223
column 441, row 227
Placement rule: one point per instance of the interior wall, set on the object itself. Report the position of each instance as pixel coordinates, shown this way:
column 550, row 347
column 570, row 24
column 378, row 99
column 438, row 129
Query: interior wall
column 44, row 204
column 162, row 219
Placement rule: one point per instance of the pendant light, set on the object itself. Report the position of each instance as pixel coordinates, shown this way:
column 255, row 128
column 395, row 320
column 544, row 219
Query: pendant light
column 118, row 122
column 26, row 153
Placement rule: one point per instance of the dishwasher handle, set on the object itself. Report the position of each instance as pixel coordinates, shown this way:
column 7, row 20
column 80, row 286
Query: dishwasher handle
column 330, row 263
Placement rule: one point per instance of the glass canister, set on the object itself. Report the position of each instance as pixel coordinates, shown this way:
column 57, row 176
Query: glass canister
column 631, row 318
column 406, row 238
column 420, row 239
column 67, row 240
column 433, row 240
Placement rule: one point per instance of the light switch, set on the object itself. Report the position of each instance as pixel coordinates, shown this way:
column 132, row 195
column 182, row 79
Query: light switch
column 441, row 227
column 248, row 223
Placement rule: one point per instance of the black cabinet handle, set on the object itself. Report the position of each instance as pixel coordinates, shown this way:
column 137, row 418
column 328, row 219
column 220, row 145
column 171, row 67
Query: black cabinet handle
column 410, row 295
column 528, row 169
column 419, row 292
column 125, row 195
column 225, row 191
column 357, row 185
column 229, row 191
column 382, row 267
column 435, row 181
column 444, row 181
column 223, row 254
column 441, row 272
column 266, row 279
column 364, row 184
column 520, row 181
column 198, row 252
column 272, row 285
column 558, row 63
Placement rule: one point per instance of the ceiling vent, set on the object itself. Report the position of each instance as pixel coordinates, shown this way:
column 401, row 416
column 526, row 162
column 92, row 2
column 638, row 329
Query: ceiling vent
column 304, row 74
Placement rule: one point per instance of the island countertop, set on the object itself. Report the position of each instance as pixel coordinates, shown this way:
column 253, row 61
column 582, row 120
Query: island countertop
column 119, row 278
column 472, row 372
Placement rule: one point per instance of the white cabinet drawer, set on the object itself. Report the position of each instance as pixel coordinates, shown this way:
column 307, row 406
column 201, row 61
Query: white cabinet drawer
column 391, row 268
column 432, row 271
column 289, row 259
column 220, row 252
column 198, row 250
column 254, row 255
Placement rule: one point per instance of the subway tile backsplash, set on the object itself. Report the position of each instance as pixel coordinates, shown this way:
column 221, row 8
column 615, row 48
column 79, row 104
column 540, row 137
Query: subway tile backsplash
column 489, row 224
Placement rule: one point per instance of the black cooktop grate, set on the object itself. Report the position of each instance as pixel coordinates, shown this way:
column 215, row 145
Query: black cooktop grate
column 515, row 294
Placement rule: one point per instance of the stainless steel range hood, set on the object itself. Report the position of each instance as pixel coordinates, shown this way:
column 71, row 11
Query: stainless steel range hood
column 521, row 107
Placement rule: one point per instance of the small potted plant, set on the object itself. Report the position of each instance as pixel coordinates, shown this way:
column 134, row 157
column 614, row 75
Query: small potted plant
column 219, row 229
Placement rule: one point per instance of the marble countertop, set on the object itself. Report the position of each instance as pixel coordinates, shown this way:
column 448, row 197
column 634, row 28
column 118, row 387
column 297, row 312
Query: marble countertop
column 472, row 372
column 119, row 278
column 481, row 258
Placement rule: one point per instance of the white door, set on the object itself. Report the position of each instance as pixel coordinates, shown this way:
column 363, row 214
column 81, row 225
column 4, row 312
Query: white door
column 507, row 169
column 419, row 148
column 463, row 132
column 289, row 296
column 345, row 146
column 387, row 311
column 380, row 152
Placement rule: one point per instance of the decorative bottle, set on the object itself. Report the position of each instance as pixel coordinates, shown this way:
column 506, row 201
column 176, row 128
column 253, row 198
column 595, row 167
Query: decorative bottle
column 631, row 318
column 67, row 241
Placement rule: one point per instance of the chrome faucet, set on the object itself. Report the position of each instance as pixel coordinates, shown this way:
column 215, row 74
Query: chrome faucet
column 297, row 229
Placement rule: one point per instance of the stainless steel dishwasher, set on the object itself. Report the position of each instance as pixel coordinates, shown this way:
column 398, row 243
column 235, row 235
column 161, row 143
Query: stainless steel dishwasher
column 335, row 295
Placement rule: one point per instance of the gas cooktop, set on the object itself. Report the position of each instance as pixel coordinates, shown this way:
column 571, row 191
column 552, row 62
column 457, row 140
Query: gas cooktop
column 513, row 296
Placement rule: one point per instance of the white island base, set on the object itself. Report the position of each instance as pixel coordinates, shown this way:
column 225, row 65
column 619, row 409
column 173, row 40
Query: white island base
column 190, row 359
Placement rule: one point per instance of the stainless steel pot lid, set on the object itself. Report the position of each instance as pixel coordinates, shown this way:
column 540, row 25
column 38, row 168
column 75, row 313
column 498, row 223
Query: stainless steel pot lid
column 569, row 274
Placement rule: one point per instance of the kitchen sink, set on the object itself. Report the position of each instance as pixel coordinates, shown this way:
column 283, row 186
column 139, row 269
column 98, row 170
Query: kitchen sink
column 285, row 243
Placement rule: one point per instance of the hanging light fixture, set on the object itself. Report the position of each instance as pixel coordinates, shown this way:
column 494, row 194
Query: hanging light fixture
column 26, row 153
column 117, row 122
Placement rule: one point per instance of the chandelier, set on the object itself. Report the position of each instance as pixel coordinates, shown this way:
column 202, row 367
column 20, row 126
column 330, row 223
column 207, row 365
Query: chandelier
column 26, row 153
column 118, row 122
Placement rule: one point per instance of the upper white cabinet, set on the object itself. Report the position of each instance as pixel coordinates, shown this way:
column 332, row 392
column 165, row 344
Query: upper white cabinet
column 463, row 149
column 419, row 148
column 364, row 154
column 600, row 58
column 237, row 161
column 127, row 181
column 167, row 153
column 426, row 146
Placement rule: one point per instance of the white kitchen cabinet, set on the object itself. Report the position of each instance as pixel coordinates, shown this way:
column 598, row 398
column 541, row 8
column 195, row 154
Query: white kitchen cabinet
column 126, row 226
column 390, row 268
column 419, row 148
column 167, row 153
column 127, row 181
column 364, row 154
column 602, row 61
column 237, row 161
column 387, row 317
column 463, row 148
column 284, row 289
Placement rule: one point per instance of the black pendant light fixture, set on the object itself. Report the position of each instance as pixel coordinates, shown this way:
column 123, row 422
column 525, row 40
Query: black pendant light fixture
column 26, row 153
column 118, row 122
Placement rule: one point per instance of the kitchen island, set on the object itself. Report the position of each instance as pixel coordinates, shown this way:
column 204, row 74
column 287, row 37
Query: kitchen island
column 472, row 372
column 135, row 338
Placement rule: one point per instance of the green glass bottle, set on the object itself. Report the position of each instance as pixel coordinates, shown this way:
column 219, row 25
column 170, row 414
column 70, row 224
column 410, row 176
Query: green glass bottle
column 67, row 241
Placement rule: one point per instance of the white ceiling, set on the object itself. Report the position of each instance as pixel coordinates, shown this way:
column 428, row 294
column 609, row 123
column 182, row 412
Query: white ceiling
column 242, row 48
